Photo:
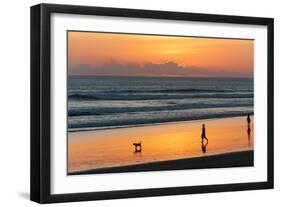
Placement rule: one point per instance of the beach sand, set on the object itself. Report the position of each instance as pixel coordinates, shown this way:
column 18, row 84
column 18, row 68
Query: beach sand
column 166, row 146
column 232, row 159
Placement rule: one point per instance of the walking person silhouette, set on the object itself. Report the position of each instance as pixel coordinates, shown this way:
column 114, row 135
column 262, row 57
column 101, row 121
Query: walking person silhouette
column 203, row 135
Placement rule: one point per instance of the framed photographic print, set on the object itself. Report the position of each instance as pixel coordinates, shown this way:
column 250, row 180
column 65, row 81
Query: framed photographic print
column 132, row 103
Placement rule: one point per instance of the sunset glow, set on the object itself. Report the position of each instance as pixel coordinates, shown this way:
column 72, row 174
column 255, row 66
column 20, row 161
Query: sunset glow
column 148, row 102
column 205, row 56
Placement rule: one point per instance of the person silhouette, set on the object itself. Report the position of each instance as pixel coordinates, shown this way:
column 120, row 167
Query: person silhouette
column 248, row 119
column 203, row 135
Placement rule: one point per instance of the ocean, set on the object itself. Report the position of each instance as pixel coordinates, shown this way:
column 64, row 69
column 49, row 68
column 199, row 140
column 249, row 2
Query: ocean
column 96, row 102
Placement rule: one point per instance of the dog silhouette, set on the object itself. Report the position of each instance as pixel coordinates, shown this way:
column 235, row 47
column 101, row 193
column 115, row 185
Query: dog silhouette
column 138, row 146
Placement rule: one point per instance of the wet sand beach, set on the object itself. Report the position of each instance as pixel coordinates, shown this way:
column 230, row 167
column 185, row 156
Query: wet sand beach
column 169, row 146
column 232, row 159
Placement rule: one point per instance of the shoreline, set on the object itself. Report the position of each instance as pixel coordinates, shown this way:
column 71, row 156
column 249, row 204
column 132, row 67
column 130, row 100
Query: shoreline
column 166, row 146
column 223, row 160
column 154, row 124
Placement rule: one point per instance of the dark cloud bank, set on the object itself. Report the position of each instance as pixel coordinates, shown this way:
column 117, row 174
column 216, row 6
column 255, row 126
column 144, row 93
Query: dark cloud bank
column 149, row 69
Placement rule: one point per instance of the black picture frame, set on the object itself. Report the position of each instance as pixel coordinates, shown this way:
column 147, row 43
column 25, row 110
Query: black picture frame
column 41, row 97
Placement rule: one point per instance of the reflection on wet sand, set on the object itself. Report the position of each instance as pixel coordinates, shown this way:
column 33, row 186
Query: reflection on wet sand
column 204, row 146
column 249, row 135
column 109, row 148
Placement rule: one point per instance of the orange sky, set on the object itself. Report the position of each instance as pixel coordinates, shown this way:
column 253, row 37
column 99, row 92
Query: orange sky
column 221, row 57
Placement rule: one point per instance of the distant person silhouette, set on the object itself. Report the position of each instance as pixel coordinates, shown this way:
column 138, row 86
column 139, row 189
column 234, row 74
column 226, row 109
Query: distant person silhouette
column 249, row 129
column 203, row 136
column 248, row 119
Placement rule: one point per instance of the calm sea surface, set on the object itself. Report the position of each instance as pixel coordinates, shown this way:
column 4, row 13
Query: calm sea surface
column 111, row 102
